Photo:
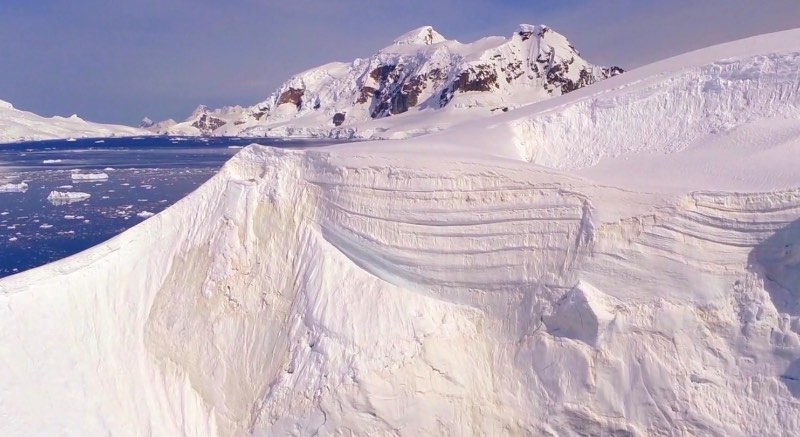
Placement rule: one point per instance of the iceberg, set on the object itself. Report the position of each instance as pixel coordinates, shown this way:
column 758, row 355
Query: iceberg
column 63, row 198
column 81, row 177
column 578, row 266
column 14, row 188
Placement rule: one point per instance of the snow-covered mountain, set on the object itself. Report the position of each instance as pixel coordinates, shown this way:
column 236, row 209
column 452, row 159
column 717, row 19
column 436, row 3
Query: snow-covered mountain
column 420, row 72
column 16, row 125
column 622, row 260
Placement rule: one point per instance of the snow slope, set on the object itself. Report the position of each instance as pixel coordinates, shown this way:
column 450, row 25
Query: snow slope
column 462, row 283
column 399, row 91
column 16, row 125
column 729, row 107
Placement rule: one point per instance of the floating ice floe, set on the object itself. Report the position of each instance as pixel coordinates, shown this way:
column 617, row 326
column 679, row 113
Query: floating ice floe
column 145, row 214
column 51, row 161
column 89, row 177
column 71, row 140
column 14, row 188
column 46, row 226
column 62, row 198
column 236, row 147
column 65, row 187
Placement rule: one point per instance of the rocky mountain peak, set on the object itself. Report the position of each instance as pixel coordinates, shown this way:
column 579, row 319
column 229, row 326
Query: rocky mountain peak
column 421, row 70
column 146, row 123
column 424, row 35
column 200, row 110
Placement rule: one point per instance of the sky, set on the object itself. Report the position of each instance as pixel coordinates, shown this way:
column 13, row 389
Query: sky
column 118, row 61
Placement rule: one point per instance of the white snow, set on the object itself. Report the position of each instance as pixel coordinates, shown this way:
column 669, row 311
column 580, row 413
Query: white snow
column 79, row 177
column 16, row 125
column 426, row 61
column 491, row 279
column 14, row 188
column 62, row 197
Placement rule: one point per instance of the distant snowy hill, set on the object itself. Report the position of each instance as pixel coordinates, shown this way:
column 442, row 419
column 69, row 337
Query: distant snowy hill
column 16, row 125
column 421, row 72
column 623, row 260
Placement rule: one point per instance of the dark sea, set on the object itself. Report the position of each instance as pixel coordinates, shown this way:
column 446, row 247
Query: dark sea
column 145, row 175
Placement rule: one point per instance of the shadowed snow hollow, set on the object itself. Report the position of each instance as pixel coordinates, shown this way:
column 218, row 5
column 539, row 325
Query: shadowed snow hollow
column 302, row 292
column 413, row 290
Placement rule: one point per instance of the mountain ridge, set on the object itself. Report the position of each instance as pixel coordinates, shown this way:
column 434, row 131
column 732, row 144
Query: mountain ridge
column 421, row 70
column 17, row 125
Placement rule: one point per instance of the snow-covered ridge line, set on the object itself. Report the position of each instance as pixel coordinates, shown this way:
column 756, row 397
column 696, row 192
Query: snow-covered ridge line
column 422, row 70
column 447, row 263
column 17, row 126
column 709, row 99
column 399, row 287
column 699, row 93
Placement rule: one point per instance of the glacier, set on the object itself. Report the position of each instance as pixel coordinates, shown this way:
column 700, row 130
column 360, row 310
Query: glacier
column 520, row 275
column 18, row 126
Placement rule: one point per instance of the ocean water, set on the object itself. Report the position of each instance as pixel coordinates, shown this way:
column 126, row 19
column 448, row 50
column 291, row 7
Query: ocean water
column 145, row 176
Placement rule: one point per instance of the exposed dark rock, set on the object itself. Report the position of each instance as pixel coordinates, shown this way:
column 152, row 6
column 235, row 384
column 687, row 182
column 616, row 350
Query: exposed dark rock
column 382, row 73
column 293, row 96
column 613, row 71
column 391, row 89
column 367, row 93
column 207, row 123
column 477, row 78
column 543, row 31
column 338, row 118
column 513, row 71
column 146, row 123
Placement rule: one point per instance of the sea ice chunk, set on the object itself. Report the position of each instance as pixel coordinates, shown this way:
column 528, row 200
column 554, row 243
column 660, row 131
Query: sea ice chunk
column 89, row 177
column 14, row 188
column 62, row 198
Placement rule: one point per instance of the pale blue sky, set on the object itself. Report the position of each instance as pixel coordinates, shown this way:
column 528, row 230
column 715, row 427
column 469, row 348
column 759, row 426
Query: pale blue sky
column 117, row 61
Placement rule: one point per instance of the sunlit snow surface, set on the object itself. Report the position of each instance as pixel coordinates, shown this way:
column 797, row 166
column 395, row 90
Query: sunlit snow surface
column 145, row 176
column 488, row 280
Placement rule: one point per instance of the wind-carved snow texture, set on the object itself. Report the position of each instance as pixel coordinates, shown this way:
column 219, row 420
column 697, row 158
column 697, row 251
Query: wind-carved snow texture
column 396, row 288
column 291, row 273
column 702, row 101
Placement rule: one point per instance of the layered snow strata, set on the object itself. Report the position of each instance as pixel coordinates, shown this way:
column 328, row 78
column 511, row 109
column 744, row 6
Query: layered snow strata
column 613, row 304
column 440, row 286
